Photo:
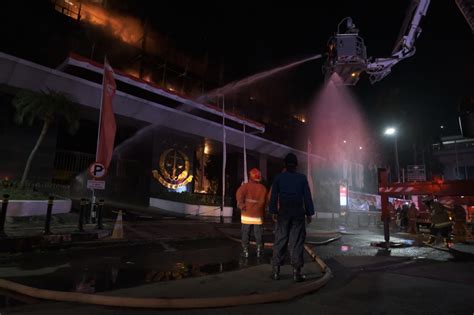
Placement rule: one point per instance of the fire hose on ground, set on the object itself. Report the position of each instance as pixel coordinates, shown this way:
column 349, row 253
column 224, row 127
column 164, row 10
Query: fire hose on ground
column 325, row 242
column 177, row 303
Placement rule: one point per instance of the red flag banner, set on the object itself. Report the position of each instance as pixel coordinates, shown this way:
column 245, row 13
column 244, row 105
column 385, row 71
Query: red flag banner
column 107, row 127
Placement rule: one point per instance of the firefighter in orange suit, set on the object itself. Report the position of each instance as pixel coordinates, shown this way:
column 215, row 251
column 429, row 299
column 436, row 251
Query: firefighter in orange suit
column 251, row 200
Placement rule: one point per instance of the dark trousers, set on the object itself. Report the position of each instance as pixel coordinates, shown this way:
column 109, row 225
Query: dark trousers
column 443, row 231
column 257, row 231
column 386, row 230
column 292, row 231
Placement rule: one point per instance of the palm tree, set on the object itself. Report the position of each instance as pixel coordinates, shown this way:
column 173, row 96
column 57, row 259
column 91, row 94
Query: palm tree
column 46, row 106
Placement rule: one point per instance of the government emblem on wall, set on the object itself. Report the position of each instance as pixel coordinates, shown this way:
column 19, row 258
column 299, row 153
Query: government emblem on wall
column 174, row 168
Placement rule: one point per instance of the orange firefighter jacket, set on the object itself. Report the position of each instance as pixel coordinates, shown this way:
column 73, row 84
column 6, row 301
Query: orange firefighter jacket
column 251, row 199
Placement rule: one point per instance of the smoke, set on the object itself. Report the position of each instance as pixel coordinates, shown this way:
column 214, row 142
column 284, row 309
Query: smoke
column 339, row 129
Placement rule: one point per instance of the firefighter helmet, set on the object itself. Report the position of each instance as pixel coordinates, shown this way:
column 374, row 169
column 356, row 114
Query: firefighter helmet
column 255, row 175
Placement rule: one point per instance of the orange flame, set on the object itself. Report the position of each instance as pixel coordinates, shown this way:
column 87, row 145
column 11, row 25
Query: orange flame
column 136, row 74
column 127, row 29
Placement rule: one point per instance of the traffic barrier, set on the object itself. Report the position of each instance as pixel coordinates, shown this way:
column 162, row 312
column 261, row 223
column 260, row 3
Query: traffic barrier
column 3, row 215
column 47, row 222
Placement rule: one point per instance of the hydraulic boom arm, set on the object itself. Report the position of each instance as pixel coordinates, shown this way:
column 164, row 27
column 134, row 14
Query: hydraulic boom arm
column 405, row 46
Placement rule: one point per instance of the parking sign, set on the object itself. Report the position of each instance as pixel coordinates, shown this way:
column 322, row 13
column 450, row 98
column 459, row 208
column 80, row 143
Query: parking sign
column 97, row 170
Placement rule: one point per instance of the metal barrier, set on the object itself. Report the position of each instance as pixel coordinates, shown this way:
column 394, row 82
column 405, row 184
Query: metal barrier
column 100, row 208
column 81, row 221
column 47, row 222
column 83, row 204
column 3, row 215
column 363, row 219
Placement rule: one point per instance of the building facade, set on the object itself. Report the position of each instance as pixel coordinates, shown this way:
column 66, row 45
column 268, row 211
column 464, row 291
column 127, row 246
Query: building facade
column 456, row 154
column 165, row 142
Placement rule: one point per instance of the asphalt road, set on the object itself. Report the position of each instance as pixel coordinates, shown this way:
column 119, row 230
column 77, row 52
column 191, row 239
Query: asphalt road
column 367, row 279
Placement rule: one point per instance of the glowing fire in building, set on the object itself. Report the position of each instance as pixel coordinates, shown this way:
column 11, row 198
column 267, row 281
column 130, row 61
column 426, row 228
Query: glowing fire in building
column 136, row 74
column 126, row 28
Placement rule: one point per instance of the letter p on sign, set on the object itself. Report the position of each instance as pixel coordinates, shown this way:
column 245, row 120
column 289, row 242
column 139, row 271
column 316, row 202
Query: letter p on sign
column 97, row 170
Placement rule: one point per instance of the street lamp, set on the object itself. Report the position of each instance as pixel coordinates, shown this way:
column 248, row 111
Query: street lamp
column 391, row 131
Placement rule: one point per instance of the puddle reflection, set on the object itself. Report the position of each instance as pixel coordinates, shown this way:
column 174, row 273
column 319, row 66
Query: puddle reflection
column 345, row 248
column 104, row 273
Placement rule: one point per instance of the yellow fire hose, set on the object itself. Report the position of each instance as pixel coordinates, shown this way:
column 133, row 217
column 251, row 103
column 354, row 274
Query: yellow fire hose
column 176, row 303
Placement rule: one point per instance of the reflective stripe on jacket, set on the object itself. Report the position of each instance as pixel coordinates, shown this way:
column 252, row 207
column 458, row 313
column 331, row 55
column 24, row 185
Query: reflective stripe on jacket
column 251, row 200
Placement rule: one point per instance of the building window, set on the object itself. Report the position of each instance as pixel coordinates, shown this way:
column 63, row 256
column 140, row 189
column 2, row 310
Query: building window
column 470, row 172
column 71, row 8
column 464, row 172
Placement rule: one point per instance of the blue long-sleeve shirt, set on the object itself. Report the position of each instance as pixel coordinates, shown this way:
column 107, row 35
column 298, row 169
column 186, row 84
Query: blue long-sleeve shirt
column 290, row 192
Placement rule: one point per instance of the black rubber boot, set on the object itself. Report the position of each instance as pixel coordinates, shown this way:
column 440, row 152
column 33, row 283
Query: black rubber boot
column 431, row 240
column 446, row 242
column 245, row 252
column 259, row 251
column 275, row 272
column 297, row 275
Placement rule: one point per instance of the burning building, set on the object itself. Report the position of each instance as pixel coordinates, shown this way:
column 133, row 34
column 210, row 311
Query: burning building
column 157, row 87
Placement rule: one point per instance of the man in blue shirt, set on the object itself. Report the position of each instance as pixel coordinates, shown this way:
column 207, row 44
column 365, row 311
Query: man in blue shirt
column 290, row 203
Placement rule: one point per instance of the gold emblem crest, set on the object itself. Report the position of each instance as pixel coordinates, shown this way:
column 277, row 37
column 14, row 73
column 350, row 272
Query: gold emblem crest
column 174, row 169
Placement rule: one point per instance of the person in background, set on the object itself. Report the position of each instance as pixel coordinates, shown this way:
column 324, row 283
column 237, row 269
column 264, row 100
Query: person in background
column 404, row 217
column 460, row 230
column 398, row 221
column 412, row 214
column 440, row 222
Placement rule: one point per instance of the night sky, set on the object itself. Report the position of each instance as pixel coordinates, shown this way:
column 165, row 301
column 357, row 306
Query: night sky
column 422, row 92
column 253, row 37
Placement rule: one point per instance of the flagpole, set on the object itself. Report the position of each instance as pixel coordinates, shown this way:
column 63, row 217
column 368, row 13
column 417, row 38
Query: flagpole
column 224, row 158
column 98, row 138
column 100, row 109
column 246, row 179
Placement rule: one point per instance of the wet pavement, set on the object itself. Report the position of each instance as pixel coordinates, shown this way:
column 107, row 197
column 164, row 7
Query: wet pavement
column 247, row 280
column 367, row 279
column 358, row 243
column 99, row 270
